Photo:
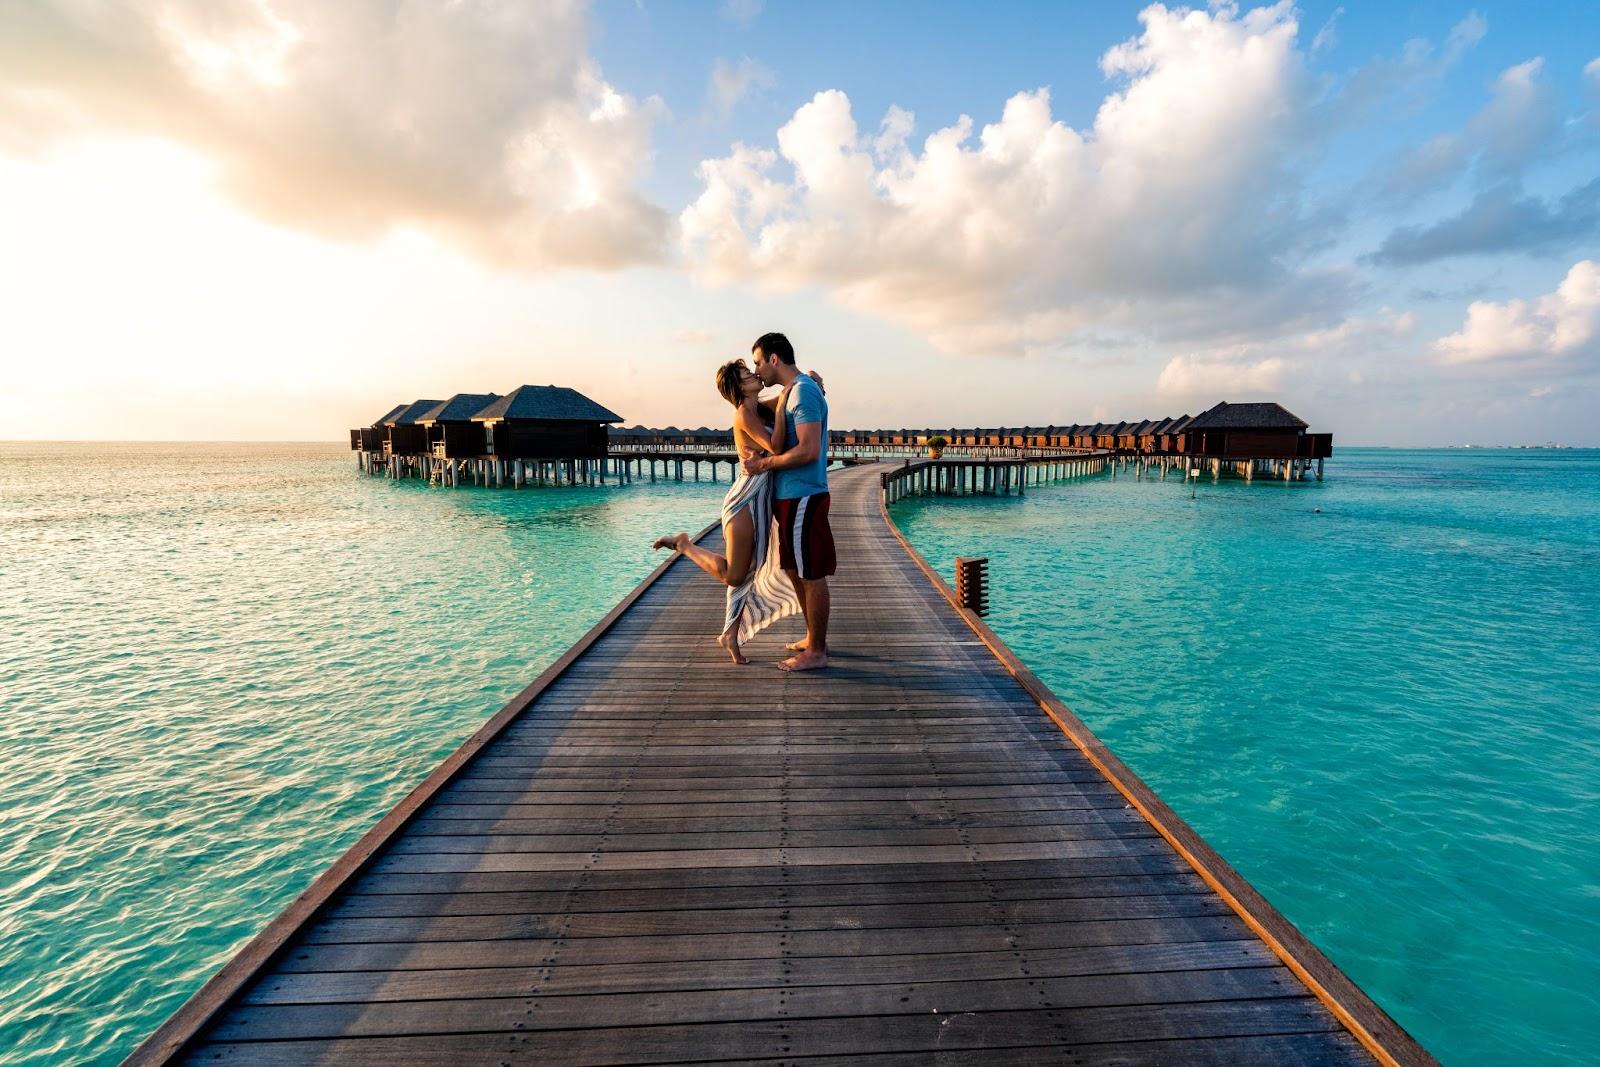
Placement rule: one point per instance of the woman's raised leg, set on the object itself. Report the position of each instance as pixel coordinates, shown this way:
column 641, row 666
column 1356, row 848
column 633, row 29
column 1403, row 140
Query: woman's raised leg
column 704, row 558
column 737, row 534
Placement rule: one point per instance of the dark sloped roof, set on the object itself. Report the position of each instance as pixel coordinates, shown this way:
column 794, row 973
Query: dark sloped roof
column 1226, row 416
column 458, row 408
column 391, row 413
column 554, row 402
column 1181, row 423
column 412, row 412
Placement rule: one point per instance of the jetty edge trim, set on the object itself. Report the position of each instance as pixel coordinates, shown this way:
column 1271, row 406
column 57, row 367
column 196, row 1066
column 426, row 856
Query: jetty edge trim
column 184, row 1025
column 1374, row 1028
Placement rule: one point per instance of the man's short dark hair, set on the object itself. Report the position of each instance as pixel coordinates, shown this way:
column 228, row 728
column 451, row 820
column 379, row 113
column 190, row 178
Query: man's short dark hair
column 775, row 344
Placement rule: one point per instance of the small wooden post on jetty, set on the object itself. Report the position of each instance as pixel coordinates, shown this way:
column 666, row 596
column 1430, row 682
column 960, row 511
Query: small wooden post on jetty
column 972, row 584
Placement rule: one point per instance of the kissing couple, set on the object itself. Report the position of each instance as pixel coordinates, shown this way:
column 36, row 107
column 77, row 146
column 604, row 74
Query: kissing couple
column 775, row 516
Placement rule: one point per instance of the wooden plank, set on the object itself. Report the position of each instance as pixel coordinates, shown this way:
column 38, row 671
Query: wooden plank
column 647, row 948
column 1083, row 795
column 766, row 857
column 575, row 901
column 1321, row 1049
column 447, row 820
column 926, row 914
column 990, row 872
column 336, row 987
column 539, row 1011
column 798, row 1038
column 1101, row 829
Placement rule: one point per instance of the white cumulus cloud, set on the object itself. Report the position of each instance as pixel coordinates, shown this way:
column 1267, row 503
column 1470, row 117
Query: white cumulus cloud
column 483, row 122
column 1563, row 325
column 1201, row 377
column 1181, row 196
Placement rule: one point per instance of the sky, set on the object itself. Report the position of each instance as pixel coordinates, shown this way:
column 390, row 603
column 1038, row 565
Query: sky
column 276, row 219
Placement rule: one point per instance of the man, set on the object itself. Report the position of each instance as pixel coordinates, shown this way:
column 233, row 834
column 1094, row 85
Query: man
column 800, row 492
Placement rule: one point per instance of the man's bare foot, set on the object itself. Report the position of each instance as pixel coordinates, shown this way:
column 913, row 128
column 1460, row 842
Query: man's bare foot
column 672, row 541
column 799, row 646
column 805, row 661
column 729, row 642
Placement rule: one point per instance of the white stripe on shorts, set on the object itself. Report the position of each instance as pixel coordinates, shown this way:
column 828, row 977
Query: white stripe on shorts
column 800, row 536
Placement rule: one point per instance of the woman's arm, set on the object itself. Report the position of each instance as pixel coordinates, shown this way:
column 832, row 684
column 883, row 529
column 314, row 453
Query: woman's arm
column 750, row 426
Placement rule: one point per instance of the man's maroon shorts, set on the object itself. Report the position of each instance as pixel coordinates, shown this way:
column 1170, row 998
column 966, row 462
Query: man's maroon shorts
column 805, row 539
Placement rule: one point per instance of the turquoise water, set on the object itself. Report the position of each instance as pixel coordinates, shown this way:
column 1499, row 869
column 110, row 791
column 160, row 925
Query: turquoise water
column 1386, row 715
column 219, row 665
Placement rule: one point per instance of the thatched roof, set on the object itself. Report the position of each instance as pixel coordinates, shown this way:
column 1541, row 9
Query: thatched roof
column 555, row 403
column 1226, row 416
column 458, row 408
column 383, row 420
column 412, row 412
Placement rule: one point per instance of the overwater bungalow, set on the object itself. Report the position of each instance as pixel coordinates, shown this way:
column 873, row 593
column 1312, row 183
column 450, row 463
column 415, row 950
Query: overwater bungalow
column 637, row 437
column 451, row 432
column 406, row 436
column 1173, row 439
column 1149, row 434
column 1247, row 431
column 545, row 422
column 371, row 438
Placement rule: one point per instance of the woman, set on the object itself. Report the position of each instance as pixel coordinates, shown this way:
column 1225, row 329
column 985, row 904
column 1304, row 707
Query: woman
column 759, row 593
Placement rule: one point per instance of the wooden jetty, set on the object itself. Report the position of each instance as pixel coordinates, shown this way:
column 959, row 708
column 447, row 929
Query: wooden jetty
column 648, row 856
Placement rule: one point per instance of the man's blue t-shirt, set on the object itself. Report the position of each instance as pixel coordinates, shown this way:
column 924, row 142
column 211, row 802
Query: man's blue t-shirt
column 806, row 404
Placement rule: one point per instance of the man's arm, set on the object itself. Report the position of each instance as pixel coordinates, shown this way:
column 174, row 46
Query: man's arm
column 807, row 447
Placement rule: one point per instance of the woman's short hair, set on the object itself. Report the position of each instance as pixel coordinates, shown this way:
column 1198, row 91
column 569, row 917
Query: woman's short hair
column 730, row 381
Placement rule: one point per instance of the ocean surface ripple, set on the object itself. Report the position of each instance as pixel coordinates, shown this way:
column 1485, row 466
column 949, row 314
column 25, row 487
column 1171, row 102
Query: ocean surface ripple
column 1385, row 714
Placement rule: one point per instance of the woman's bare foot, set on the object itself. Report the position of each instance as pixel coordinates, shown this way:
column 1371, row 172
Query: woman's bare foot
column 731, row 643
column 805, row 661
column 672, row 541
column 799, row 646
